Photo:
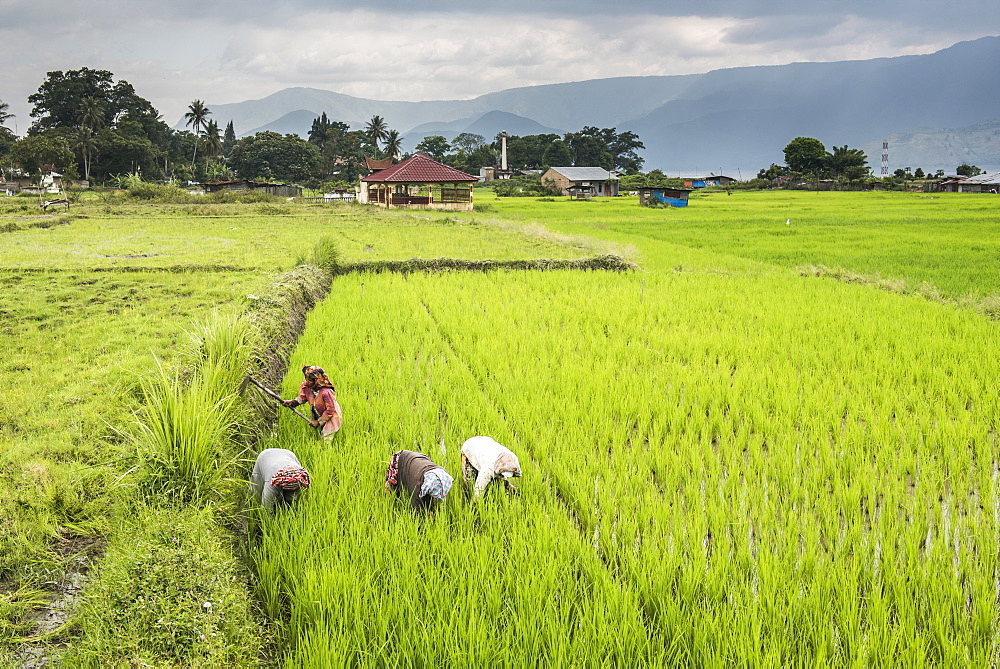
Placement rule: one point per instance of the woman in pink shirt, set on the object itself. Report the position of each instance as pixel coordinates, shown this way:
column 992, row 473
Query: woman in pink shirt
column 319, row 393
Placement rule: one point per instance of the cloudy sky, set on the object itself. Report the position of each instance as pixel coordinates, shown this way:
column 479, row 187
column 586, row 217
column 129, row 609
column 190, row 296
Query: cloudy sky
column 221, row 51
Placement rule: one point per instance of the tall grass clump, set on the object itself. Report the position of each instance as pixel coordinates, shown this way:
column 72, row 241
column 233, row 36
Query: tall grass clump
column 326, row 255
column 192, row 418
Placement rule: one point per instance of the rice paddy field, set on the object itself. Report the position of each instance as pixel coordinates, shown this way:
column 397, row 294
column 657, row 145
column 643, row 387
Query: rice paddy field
column 770, row 444
column 728, row 461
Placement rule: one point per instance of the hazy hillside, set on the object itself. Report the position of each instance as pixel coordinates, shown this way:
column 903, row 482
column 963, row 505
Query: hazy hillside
column 928, row 147
column 743, row 117
column 488, row 125
column 733, row 120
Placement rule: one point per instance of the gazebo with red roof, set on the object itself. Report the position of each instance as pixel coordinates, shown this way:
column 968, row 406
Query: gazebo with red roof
column 419, row 183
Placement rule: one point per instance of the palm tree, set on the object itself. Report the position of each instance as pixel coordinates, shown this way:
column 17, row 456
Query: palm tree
column 843, row 158
column 4, row 114
column 393, row 144
column 91, row 117
column 196, row 117
column 212, row 140
column 376, row 130
column 90, row 114
column 84, row 143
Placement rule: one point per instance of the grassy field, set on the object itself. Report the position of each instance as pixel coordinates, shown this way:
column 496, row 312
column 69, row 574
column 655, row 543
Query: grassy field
column 730, row 457
column 948, row 241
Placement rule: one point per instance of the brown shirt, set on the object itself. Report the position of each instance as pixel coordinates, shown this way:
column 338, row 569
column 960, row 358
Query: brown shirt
column 412, row 467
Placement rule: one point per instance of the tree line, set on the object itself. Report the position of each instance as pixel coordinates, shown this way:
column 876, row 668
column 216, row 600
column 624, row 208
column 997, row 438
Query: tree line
column 590, row 147
column 87, row 125
column 806, row 159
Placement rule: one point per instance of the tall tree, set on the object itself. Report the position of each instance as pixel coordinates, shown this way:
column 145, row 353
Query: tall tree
column 623, row 147
column 85, row 144
column 196, row 117
column 805, row 155
column 557, row 155
column 842, row 158
column 435, row 146
column 589, row 147
column 91, row 117
column 118, row 119
column 528, row 151
column 967, row 170
column 58, row 100
column 212, row 141
column 376, row 130
column 91, row 114
column 268, row 155
column 229, row 139
column 468, row 142
column 393, row 144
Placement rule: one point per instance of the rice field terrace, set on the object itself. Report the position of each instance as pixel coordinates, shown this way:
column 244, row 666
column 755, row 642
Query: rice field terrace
column 770, row 444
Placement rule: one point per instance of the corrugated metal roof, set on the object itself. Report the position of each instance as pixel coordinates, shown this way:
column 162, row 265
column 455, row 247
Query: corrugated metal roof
column 982, row 179
column 584, row 173
column 419, row 169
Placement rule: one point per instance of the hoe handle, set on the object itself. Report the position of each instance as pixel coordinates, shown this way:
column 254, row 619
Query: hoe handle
column 276, row 397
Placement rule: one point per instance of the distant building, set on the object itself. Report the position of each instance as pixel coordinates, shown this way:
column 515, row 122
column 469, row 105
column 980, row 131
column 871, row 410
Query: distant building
column 582, row 182
column 280, row 190
column 705, row 182
column 419, row 182
column 377, row 164
column 675, row 197
column 983, row 183
column 47, row 181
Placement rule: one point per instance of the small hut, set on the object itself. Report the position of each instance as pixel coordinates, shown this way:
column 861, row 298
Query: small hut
column 675, row 197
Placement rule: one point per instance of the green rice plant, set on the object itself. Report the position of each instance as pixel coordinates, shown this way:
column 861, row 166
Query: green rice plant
column 734, row 487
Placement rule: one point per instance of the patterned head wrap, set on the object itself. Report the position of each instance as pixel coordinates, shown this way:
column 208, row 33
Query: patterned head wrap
column 316, row 377
column 291, row 478
column 437, row 483
column 392, row 473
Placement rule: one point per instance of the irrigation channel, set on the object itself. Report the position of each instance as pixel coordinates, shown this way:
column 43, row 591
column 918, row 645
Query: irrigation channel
column 720, row 468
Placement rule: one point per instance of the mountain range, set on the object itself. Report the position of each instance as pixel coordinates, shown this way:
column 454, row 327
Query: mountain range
column 936, row 110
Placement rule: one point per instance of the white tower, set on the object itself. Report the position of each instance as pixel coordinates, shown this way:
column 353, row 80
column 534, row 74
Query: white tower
column 885, row 158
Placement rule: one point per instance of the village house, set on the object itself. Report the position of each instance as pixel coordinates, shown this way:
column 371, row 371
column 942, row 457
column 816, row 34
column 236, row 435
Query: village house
column 983, row 183
column 582, row 183
column 419, row 182
column 47, row 181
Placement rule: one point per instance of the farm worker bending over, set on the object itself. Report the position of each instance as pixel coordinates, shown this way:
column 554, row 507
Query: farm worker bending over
column 487, row 460
column 318, row 392
column 424, row 481
column 277, row 477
